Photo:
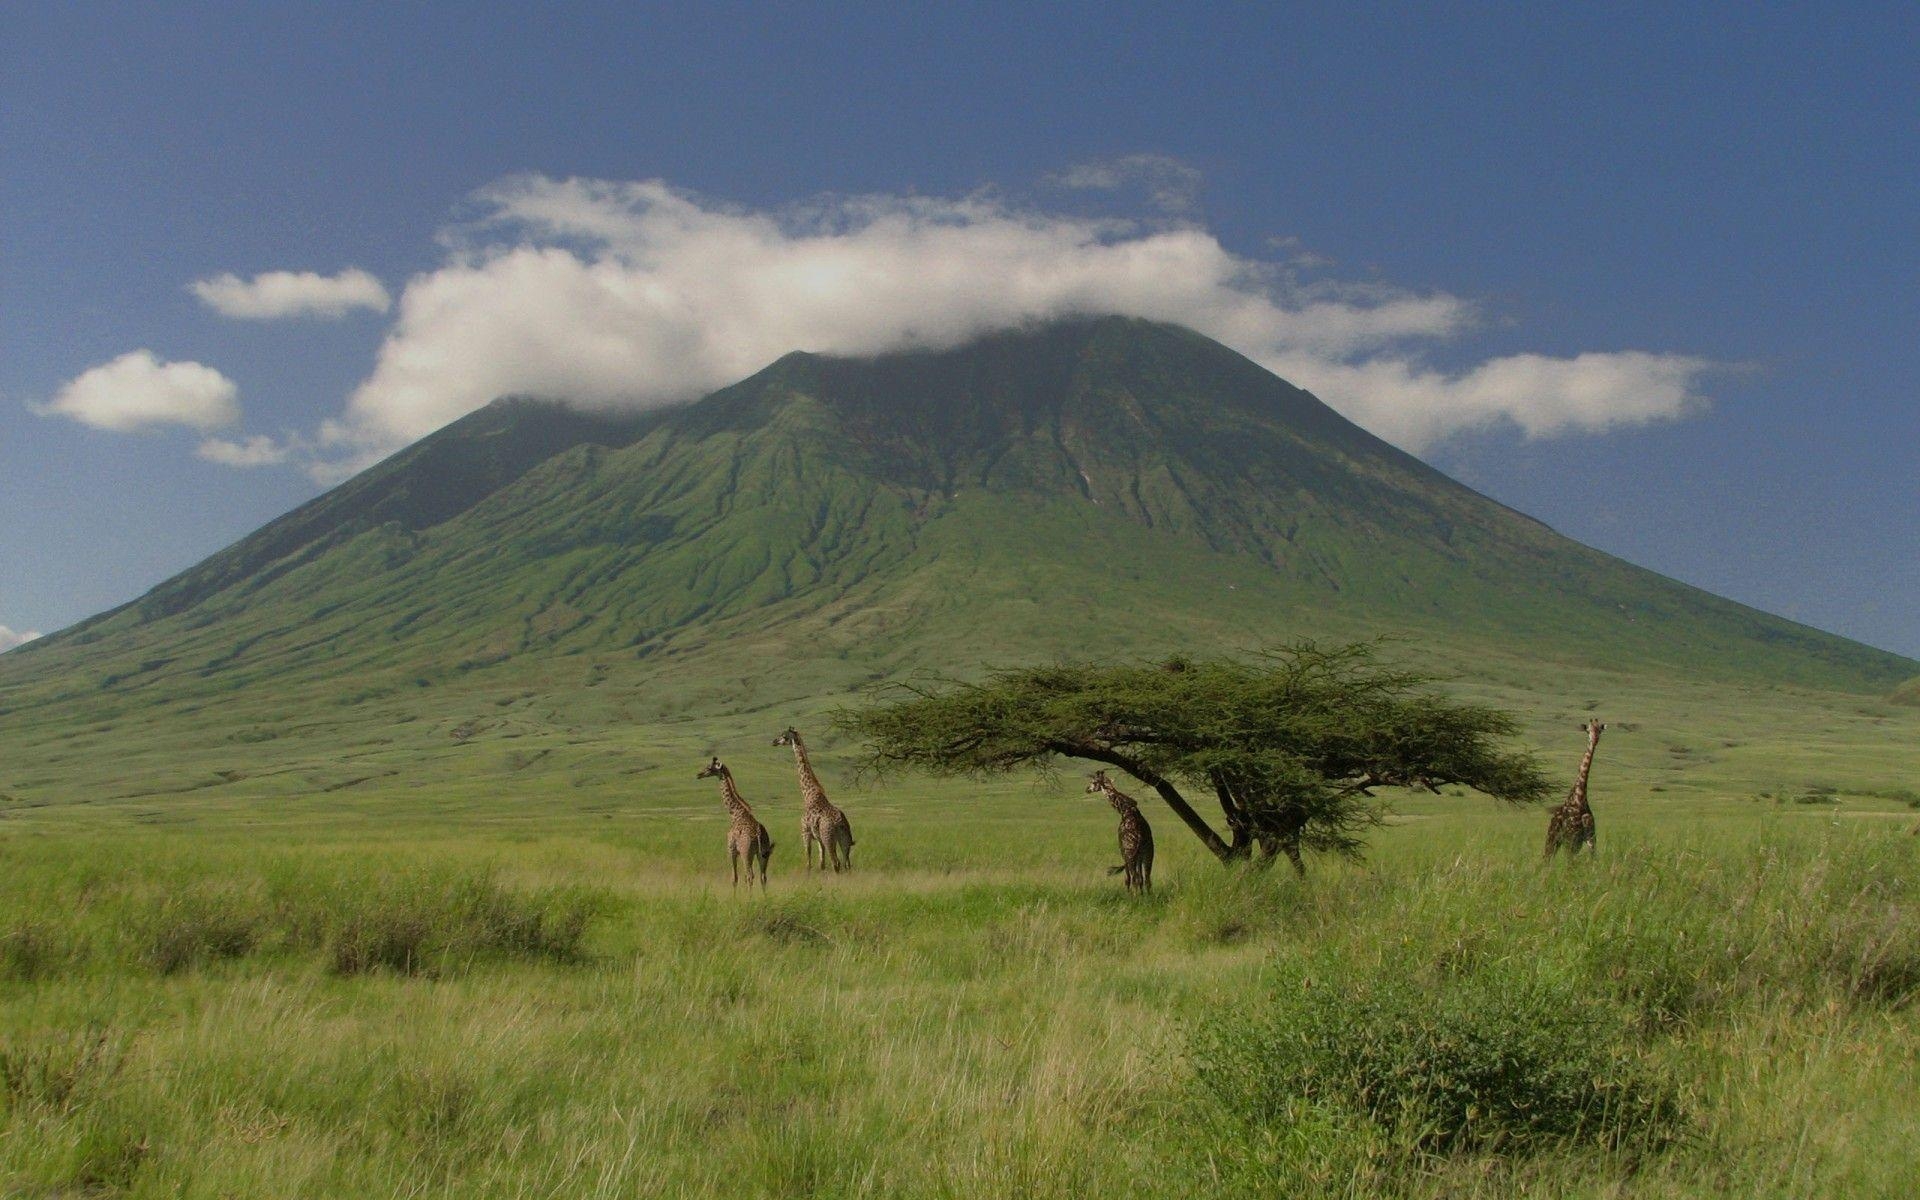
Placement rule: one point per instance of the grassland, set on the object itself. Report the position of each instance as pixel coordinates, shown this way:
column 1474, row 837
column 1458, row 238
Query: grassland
column 512, row 967
column 366, row 859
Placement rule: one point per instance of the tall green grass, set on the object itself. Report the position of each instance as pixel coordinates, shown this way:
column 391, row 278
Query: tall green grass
column 1723, row 1012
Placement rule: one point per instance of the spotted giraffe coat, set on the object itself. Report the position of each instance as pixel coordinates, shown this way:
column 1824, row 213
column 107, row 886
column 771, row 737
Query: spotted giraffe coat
column 1136, row 836
column 1571, row 826
column 747, row 838
column 821, row 824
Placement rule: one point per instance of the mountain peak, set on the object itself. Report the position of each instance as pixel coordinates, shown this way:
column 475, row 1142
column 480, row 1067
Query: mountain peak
column 1084, row 485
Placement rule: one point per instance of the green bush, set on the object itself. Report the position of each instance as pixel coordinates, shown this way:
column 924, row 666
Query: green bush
column 423, row 924
column 30, row 950
column 57, row 1073
column 1471, row 1061
column 193, row 929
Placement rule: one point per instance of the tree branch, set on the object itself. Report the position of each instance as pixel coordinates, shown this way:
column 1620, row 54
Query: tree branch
column 1169, row 793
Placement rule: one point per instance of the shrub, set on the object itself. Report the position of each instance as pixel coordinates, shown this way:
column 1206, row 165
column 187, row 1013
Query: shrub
column 424, row 923
column 30, row 951
column 57, row 1073
column 196, row 928
column 1656, row 972
column 376, row 936
column 1473, row 1061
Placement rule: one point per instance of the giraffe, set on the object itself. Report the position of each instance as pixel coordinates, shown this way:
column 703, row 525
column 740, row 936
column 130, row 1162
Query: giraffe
column 821, row 824
column 746, row 836
column 1136, row 837
column 1572, row 823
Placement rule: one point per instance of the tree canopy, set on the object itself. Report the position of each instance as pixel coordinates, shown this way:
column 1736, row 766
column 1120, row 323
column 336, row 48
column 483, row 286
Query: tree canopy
column 1291, row 744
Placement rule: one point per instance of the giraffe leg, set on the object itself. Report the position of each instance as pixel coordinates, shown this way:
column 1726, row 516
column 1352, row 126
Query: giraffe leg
column 1292, row 850
column 734, row 856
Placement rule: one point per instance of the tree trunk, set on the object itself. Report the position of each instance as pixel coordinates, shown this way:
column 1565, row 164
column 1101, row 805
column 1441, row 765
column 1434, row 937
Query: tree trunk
column 1242, row 847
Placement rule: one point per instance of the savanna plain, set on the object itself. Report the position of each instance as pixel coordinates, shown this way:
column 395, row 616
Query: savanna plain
column 501, row 957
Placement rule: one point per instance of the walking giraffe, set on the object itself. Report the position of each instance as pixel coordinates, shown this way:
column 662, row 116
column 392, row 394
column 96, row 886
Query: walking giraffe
column 821, row 824
column 1136, row 837
column 1572, row 824
column 746, row 836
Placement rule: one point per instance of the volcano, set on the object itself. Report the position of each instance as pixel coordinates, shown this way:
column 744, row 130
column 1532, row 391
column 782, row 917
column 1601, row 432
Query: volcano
column 1098, row 487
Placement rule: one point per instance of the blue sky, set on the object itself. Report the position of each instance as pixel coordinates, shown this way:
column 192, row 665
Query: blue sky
column 1650, row 277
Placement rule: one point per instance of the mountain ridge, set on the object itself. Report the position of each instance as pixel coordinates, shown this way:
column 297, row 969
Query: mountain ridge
column 1089, row 486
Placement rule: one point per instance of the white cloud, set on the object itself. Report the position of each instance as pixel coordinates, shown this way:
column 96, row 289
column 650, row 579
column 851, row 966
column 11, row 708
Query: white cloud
column 9, row 639
column 1545, row 397
column 635, row 295
column 256, row 451
column 278, row 294
column 1169, row 184
column 138, row 391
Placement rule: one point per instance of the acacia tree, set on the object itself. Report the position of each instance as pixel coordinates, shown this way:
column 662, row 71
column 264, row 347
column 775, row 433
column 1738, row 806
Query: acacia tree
column 1291, row 744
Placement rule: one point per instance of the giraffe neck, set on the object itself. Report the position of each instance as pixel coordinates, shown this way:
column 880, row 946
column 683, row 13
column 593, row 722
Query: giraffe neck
column 809, row 782
column 1120, row 800
column 736, row 803
column 1578, row 797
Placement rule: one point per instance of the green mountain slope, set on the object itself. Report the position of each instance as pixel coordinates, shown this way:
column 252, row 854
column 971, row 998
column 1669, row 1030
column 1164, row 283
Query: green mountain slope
column 1093, row 487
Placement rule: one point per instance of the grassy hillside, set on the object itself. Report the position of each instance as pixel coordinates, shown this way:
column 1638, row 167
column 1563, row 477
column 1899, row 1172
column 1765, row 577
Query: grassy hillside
column 1101, row 488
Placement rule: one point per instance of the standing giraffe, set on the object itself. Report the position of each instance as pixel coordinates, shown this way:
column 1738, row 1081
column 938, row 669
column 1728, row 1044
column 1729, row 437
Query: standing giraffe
column 746, row 836
column 1136, row 838
column 1572, row 823
column 821, row 824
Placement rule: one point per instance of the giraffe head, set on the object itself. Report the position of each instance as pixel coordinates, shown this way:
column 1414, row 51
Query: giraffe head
column 1100, row 784
column 716, row 767
column 790, row 738
column 1593, row 728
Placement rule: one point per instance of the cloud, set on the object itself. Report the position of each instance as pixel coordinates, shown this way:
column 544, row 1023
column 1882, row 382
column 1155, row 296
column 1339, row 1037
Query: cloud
column 1169, row 184
column 9, row 639
column 1295, row 253
column 138, row 391
column 636, row 295
column 1545, row 397
column 256, row 451
column 279, row 294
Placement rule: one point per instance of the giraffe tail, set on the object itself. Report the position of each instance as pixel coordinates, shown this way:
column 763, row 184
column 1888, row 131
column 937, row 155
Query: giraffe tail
column 1116, row 870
